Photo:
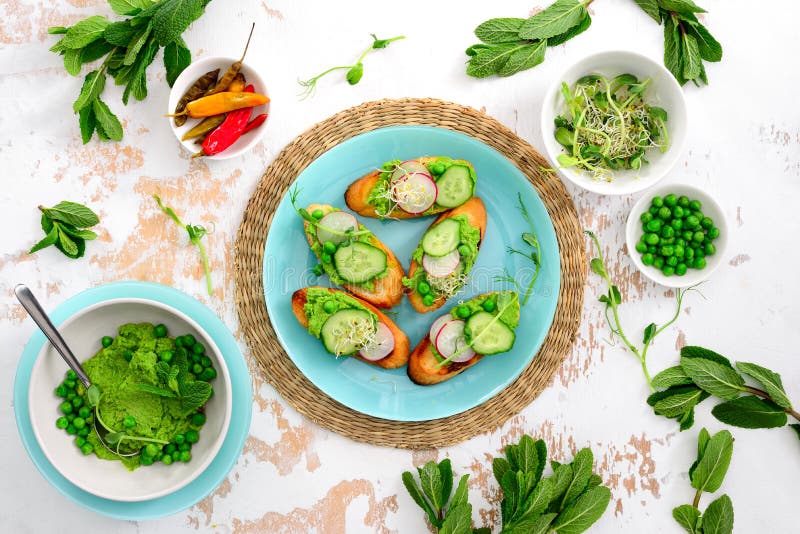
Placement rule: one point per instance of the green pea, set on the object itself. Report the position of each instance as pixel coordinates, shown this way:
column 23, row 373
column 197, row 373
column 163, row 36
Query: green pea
column 680, row 269
column 709, row 249
column 668, row 270
column 205, row 361
column 318, row 270
column 208, row 374
column 651, row 239
column 680, row 252
column 667, row 250
column 71, row 430
column 657, row 202
column 489, row 305
column 699, row 237
column 165, row 356
column 317, row 214
column 462, row 311
column 128, row 355
column 71, row 375
column 326, row 258
column 329, row 306
column 707, row 223
column 668, row 240
column 641, row 247
column 79, row 422
column 423, row 288
column 437, row 168
column 427, row 300
column 198, row 348
column 671, row 200
column 658, row 262
column 692, row 221
column 695, row 205
column 646, row 217
column 87, row 449
column 160, row 330
column 677, row 212
column 672, row 261
column 464, row 250
column 83, row 432
column 683, row 201
column 71, row 416
column 176, row 456
column 197, row 368
column 652, row 210
column 676, row 224
column 106, row 341
column 61, row 391
column 198, row 419
column 652, row 249
column 145, row 460
column 689, row 254
column 699, row 263
column 186, row 456
column 170, row 448
column 129, row 421
column 66, row 407
column 185, row 446
column 329, row 247
column 687, row 235
column 699, row 253
column 680, row 241
column 70, row 394
column 647, row 259
column 654, row 225
column 713, row 232
column 84, row 412
column 62, row 423
column 699, row 215
column 192, row 436
column 667, row 231
column 70, row 383
column 179, row 439
column 664, row 213
column 166, row 459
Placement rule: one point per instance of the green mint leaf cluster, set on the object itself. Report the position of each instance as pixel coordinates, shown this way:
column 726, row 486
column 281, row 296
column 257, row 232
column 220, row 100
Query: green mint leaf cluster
column 176, row 381
column 687, row 42
column 706, row 475
column 569, row 502
column 66, row 225
column 129, row 47
column 511, row 45
column 703, row 373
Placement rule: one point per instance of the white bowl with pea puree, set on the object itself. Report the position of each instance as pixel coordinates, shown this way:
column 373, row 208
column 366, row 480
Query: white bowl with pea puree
column 134, row 348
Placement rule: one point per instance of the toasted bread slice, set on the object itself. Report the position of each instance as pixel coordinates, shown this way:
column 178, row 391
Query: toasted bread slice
column 397, row 358
column 476, row 215
column 358, row 192
column 422, row 365
column 389, row 289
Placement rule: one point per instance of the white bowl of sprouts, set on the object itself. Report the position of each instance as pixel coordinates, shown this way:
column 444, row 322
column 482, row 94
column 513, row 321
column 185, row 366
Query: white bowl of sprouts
column 614, row 123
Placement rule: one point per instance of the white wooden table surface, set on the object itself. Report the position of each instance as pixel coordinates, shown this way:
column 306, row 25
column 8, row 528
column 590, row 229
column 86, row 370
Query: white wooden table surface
column 743, row 147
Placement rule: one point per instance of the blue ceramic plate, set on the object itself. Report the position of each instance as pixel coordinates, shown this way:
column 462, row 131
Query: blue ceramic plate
column 238, row 430
column 389, row 394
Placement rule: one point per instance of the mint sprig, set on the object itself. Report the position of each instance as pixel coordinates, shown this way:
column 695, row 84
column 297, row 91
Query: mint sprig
column 66, row 227
column 129, row 47
column 569, row 502
column 702, row 373
column 706, row 475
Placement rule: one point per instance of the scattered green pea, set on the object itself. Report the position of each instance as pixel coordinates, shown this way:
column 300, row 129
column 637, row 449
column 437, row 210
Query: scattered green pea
column 72, row 375
column 489, row 305
column 128, row 355
column 198, row 348
column 657, row 202
column 651, row 239
column 70, row 383
column 83, row 432
column 318, row 270
column 62, row 423
column 198, row 419
column 205, row 361
column 192, row 436
column 79, row 441
column 166, row 459
column 664, row 213
column 66, row 407
column 462, row 312
column 329, row 247
column 680, row 269
column 647, row 258
column 128, row 421
column 186, row 456
column 87, row 449
column 179, row 439
column 668, row 270
column 106, row 341
column 325, row 257
column 671, row 200
column 197, row 368
column 654, row 225
column 165, row 356
column 71, row 430
column 641, row 246
column 713, row 232
column 423, row 288
column 464, row 250
column 208, row 374
column 695, row 205
column 427, row 300
column 329, row 306
column 646, row 217
column 683, row 201
column 160, row 330
column 709, row 249
column 317, row 214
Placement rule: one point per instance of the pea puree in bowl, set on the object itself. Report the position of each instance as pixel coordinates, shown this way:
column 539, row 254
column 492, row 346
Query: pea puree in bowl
column 155, row 368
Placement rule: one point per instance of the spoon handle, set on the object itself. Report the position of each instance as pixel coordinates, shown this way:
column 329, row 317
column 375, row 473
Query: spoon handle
column 41, row 319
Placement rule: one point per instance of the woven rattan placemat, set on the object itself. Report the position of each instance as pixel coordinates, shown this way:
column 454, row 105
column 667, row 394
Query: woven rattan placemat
column 279, row 368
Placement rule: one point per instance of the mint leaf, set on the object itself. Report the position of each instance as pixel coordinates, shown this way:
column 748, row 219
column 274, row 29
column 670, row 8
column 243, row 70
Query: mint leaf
column 750, row 412
column 458, row 520
column 137, row 84
column 176, row 58
column 71, row 213
column 702, row 442
column 489, row 61
column 119, row 33
column 499, row 467
column 460, row 496
column 49, row 239
column 581, row 471
column 718, row 517
column 129, row 7
column 684, row 7
column 524, row 58
column 57, row 30
column 107, row 120
column 578, row 516
column 710, row 49
column 68, row 246
column 95, row 50
column 687, row 516
column 651, row 8
column 84, row 32
column 416, row 494
column 597, row 267
column 532, row 525
column 537, row 501
column 527, row 458
column 672, row 376
column 155, row 390
column 713, row 465
column 554, row 20
column 446, row 476
column 691, row 351
column 796, row 428
column 673, row 58
column 93, row 395
column 172, row 17
column 194, row 396
column 562, row 476
column 93, row 85
column 72, row 61
column 87, row 235
column 770, row 380
column 714, row 378
column 649, row 333
column 431, row 480
column 679, row 403
column 582, row 26
column 500, row 30
column 541, row 453
column 692, row 62
column 136, row 45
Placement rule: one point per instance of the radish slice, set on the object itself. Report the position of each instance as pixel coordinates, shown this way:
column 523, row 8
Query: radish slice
column 409, row 167
column 450, row 340
column 437, row 325
column 338, row 221
column 442, row 266
column 415, row 192
column 383, row 346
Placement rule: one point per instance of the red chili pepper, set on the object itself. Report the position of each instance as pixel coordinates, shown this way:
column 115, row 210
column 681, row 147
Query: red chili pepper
column 229, row 131
column 255, row 123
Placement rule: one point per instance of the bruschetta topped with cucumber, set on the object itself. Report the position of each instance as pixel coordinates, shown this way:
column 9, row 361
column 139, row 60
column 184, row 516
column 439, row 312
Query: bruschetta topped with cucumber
column 352, row 256
column 349, row 326
column 445, row 256
column 413, row 188
column 459, row 339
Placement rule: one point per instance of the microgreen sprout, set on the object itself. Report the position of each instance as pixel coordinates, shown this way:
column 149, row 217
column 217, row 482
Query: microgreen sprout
column 354, row 72
column 534, row 255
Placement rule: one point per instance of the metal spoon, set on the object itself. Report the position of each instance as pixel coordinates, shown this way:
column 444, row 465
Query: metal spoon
column 41, row 319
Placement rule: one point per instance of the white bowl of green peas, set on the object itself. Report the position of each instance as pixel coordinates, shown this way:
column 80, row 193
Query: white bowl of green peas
column 677, row 235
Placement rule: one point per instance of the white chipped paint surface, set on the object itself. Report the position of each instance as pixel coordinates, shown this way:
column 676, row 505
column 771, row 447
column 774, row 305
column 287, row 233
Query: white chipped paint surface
column 744, row 147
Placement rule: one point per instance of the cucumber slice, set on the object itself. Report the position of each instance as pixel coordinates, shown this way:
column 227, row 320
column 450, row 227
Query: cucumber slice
column 359, row 262
column 489, row 337
column 455, row 187
column 442, row 238
column 342, row 333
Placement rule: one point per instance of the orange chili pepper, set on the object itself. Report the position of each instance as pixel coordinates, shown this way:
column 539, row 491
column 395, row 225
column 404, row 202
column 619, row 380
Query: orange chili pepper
column 222, row 103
